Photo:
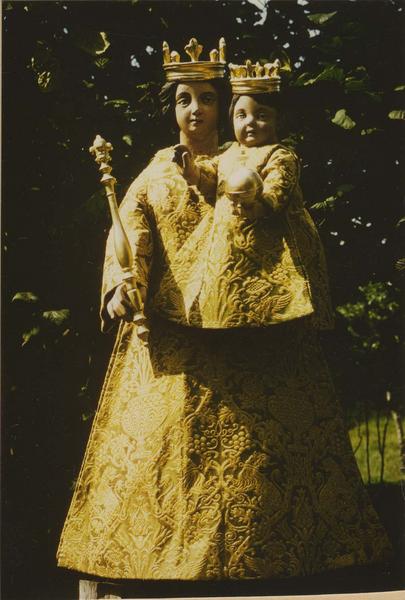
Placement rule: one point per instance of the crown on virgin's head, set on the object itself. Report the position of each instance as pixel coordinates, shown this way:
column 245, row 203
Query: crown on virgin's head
column 194, row 69
column 255, row 79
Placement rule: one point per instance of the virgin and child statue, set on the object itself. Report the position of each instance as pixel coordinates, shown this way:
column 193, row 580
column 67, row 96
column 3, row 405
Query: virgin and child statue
column 219, row 450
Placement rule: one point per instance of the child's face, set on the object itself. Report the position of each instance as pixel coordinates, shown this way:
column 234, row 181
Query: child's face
column 254, row 124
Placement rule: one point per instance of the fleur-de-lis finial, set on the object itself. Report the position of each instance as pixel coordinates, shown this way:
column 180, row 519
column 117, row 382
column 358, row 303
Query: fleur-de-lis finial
column 166, row 53
column 214, row 55
column 267, row 69
column 222, row 49
column 249, row 68
column 258, row 69
column 193, row 49
column 277, row 67
column 101, row 150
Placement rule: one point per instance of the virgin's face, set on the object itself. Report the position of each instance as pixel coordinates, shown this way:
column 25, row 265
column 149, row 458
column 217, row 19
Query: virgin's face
column 254, row 124
column 197, row 109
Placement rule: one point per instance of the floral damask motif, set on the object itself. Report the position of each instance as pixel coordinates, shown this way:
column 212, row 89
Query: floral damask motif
column 212, row 269
column 234, row 476
column 219, row 450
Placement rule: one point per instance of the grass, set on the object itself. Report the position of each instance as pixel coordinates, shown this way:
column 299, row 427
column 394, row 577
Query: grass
column 391, row 460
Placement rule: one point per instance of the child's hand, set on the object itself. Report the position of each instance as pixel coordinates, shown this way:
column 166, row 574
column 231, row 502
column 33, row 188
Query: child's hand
column 185, row 162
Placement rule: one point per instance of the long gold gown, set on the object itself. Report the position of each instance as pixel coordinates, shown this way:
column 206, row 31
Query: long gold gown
column 218, row 451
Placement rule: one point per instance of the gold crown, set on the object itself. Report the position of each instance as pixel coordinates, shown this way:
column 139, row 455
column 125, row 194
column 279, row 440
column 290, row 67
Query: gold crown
column 194, row 69
column 255, row 79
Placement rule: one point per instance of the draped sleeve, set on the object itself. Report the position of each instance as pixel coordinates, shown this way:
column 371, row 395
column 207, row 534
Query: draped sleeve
column 136, row 219
column 280, row 178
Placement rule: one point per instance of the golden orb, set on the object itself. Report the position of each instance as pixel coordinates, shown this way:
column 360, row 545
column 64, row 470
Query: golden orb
column 243, row 185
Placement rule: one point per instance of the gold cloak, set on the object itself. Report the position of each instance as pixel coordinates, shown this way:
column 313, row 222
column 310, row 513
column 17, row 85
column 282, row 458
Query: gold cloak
column 214, row 453
column 211, row 269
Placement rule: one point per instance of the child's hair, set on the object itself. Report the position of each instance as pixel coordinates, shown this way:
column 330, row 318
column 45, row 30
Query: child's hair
column 274, row 100
column 167, row 96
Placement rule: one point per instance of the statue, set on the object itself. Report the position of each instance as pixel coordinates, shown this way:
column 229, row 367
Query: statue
column 218, row 450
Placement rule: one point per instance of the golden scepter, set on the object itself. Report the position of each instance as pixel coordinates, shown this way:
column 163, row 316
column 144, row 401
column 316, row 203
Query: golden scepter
column 101, row 150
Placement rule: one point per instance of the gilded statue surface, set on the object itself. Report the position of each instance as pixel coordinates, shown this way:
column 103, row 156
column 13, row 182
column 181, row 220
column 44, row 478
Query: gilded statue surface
column 219, row 449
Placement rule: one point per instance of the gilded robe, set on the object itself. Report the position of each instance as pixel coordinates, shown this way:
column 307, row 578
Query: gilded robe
column 216, row 452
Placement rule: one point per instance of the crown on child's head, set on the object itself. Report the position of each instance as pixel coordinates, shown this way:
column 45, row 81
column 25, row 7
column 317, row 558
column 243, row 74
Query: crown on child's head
column 255, row 79
column 194, row 69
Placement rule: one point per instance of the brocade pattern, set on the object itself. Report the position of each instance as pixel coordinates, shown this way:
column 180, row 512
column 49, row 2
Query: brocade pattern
column 219, row 454
column 211, row 269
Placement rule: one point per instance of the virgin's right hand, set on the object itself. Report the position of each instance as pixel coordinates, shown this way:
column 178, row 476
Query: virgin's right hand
column 120, row 307
column 185, row 162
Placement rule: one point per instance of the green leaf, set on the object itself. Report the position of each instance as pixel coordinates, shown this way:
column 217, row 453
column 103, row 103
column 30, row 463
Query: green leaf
column 27, row 335
column 329, row 203
column 344, row 188
column 101, row 62
column 342, row 119
column 45, row 66
column 57, row 316
column 330, row 73
column 321, row 18
column 355, row 85
column 302, row 79
column 397, row 114
column 370, row 130
column 92, row 42
column 117, row 103
column 401, row 220
column 400, row 264
column 25, row 297
column 399, row 88
column 127, row 139
column 375, row 96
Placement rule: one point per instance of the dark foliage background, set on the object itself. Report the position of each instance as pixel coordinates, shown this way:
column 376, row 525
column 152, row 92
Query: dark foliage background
column 73, row 69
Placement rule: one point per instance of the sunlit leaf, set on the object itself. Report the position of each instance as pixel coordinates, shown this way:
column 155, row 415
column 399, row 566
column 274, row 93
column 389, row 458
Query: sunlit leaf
column 400, row 264
column 401, row 220
column 25, row 297
column 27, row 335
column 331, row 73
column 260, row 4
column 342, row 119
column 45, row 66
column 397, row 114
column 302, row 79
column 101, row 62
column 329, row 203
column 127, row 139
column 399, row 88
column 370, row 130
column 321, row 18
column 93, row 42
column 57, row 316
column 116, row 103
